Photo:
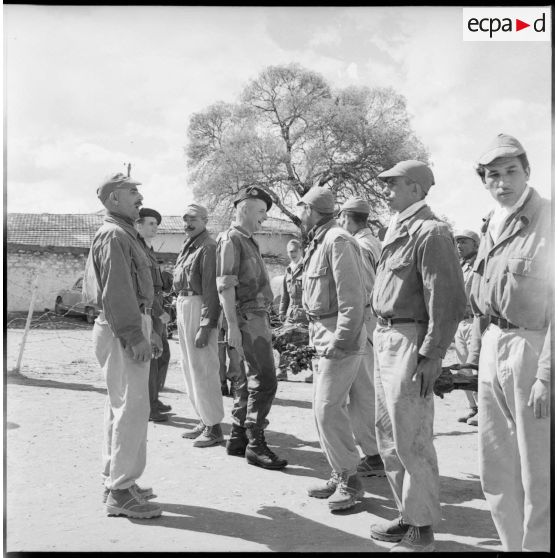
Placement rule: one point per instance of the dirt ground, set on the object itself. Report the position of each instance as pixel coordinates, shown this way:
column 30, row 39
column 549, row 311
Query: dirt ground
column 211, row 501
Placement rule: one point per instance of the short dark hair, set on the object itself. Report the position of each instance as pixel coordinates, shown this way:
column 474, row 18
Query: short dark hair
column 480, row 169
column 360, row 219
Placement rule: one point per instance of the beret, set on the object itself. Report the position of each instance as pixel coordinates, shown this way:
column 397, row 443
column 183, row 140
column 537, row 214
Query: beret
column 253, row 192
column 147, row 212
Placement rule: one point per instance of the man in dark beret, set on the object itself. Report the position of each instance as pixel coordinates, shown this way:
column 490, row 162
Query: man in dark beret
column 246, row 296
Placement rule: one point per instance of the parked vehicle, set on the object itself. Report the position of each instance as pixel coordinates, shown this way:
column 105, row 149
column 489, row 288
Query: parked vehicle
column 68, row 302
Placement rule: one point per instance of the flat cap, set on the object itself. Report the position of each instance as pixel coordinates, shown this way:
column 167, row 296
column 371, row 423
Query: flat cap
column 417, row 171
column 147, row 212
column 503, row 145
column 356, row 205
column 320, row 198
column 465, row 233
column 115, row 182
column 253, row 193
column 195, row 210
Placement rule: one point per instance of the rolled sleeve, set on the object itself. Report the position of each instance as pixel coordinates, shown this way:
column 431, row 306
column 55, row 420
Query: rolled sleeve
column 210, row 299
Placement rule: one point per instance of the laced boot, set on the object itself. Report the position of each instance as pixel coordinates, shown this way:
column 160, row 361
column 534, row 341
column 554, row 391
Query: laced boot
column 324, row 490
column 258, row 453
column 237, row 442
column 348, row 490
column 416, row 539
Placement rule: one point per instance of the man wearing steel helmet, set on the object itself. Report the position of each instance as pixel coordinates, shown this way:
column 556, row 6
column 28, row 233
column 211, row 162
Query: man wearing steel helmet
column 118, row 279
column 419, row 299
column 511, row 296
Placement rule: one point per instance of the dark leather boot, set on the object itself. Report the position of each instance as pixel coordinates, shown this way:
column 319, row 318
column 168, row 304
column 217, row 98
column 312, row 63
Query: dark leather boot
column 237, row 442
column 257, row 452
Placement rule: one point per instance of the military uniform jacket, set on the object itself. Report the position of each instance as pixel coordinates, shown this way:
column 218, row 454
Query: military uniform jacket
column 157, row 278
column 118, row 277
column 419, row 278
column 513, row 277
column 332, row 282
column 370, row 249
column 291, row 298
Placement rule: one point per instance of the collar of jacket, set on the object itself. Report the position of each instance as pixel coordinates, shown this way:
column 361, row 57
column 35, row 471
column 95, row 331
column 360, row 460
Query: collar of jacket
column 411, row 224
column 469, row 259
column 241, row 230
column 361, row 233
column 320, row 228
column 524, row 213
column 126, row 223
column 197, row 241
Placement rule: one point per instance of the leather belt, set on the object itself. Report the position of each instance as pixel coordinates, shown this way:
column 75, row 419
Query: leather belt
column 322, row 317
column 390, row 321
column 186, row 292
column 502, row 323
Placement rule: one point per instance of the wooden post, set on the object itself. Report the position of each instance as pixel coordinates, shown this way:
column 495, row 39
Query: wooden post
column 27, row 323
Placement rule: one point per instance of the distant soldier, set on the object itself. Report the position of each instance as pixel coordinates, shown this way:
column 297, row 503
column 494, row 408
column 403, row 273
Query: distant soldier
column 245, row 294
column 467, row 247
column 512, row 298
column 334, row 298
column 419, row 299
column 197, row 312
column 118, row 279
column 353, row 217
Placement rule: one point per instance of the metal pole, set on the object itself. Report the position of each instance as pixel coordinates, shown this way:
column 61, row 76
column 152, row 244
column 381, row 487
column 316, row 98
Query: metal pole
column 27, row 323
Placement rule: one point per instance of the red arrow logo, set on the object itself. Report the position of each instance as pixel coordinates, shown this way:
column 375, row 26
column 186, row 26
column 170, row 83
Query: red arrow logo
column 519, row 25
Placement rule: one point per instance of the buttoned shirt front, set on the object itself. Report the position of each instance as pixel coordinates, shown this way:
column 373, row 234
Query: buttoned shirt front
column 195, row 271
column 419, row 277
column 118, row 277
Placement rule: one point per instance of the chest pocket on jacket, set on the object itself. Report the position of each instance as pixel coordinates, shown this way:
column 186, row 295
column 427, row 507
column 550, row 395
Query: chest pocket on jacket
column 316, row 290
column 141, row 277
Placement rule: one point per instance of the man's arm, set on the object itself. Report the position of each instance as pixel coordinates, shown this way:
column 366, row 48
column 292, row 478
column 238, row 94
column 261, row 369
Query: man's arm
column 285, row 299
column 210, row 300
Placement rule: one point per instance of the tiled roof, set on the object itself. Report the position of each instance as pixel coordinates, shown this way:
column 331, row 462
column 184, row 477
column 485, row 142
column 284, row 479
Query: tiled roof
column 77, row 230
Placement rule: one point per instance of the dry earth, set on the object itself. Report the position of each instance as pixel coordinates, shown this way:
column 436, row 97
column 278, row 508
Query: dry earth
column 211, row 501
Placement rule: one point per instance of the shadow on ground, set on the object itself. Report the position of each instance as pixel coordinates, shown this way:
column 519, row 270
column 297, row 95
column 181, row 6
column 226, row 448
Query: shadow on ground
column 20, row 379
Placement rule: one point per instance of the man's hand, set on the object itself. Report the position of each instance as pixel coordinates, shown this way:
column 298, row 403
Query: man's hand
column 165, row 318
column 234, row 338
column 202, row 336
column 428, row 369
column 334, row 353
column 141, row 351
column 156, row 345
column 539, row 398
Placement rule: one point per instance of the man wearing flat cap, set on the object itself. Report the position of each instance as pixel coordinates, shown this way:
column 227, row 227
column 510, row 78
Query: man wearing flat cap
column 467, row 246
column 147, row 225
column 197, row 314
column 118, row 279
column 419, row 300
column 334, row 297
column 353, row 217
column 511, row 296
column 246, row 297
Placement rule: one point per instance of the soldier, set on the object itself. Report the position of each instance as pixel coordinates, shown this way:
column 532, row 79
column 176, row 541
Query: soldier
column 511, row 296
column 118, row 279
column 334, row 297
column 147, row 225
column 353, row 217
column 419, row 299
column 197, row 310
column 467, row 246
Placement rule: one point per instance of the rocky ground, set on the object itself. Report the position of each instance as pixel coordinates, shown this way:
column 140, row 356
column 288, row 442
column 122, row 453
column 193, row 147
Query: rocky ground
column 211, row 501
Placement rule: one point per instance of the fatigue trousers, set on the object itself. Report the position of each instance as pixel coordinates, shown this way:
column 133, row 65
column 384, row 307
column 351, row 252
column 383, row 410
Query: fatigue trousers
column 333, row 379
column 200, row 365
column 514, row 446
column 362, row 405
column 462, row 339
column 404, row 424
column 157, row 371
column 126, row 413
column 254, row 379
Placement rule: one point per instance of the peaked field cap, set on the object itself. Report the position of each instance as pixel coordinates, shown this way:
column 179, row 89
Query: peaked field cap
column 320, row 198
column 356, row 205
column 466, row 233
column 195, row 210
column 148, row 212
column 253, row 193
column 417, row 171
column 503, row 145
column 115, row 182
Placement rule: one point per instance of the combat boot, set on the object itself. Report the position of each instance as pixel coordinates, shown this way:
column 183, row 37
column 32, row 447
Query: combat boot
column 324, row 489
column 348, row 490
column 258, row 453
column 237, row 442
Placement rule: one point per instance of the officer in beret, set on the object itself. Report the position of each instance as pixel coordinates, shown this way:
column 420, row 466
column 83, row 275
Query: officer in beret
column 246, row 296
column 118, row 279
column 511, row 297
column 467, row 242
column 353, row 217
column 334, row 297
column 419, row 300
column 147, row 225
column 197, row 311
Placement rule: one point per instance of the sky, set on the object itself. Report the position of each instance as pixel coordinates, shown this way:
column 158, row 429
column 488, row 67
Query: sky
column 90, row 88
